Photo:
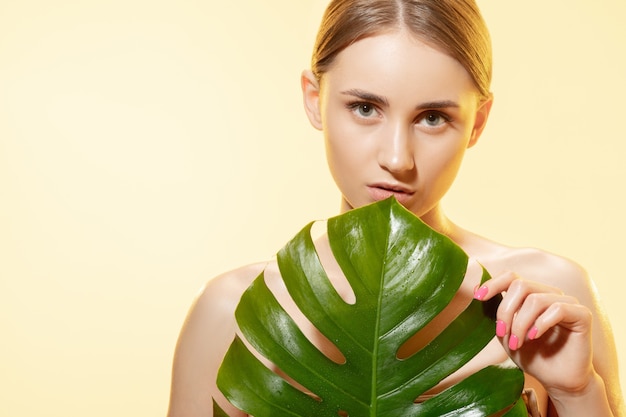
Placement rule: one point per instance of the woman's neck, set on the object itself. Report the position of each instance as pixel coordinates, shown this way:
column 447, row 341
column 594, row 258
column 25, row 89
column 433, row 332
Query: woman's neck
column 438, row 221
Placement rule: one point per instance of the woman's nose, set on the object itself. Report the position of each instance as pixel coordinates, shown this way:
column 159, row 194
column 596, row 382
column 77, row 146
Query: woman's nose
column 396, row 150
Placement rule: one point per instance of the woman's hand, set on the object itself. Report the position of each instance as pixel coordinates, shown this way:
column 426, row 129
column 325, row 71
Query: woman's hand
column 547, row 333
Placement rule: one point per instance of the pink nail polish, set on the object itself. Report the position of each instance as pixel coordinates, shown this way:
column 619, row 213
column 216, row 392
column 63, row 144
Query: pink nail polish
column 532, row 333
column 480, row 293
column 513, row 342
column 500, row 328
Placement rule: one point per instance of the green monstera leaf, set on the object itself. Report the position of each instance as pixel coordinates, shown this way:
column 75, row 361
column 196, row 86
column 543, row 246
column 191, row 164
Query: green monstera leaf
column 403, row 275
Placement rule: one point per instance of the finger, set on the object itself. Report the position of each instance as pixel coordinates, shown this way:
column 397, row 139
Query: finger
column 572, row 316
column 517, row 292
column 504, row 282
column 494, row 286
column 532, row 314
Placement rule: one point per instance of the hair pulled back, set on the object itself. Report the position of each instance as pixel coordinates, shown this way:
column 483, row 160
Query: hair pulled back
column 455, row 27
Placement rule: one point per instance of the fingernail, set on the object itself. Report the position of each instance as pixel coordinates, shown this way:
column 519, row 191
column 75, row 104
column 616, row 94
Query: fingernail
column 480, row 293
column 532, row 333
column 513, row 342
column 500, row 328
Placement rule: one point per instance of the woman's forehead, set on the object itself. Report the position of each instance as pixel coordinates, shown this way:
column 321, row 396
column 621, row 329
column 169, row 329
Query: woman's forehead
column 393, row 63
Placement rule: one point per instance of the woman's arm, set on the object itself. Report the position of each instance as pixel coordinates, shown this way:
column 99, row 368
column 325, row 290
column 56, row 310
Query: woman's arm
column 591, row 401
column 207, row 333
column 552, row 326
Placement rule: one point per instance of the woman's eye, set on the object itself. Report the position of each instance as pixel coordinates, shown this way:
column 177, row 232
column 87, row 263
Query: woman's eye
column 363, row 110
column 433, row 119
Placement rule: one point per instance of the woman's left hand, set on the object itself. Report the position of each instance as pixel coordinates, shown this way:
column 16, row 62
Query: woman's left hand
column 544, row 331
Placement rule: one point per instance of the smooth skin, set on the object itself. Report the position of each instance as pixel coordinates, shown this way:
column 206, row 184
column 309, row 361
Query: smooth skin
column 397, row 117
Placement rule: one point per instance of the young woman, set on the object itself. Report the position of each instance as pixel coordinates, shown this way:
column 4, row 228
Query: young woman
column 400, row 89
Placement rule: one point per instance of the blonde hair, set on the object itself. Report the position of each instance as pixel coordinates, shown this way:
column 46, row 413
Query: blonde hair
column 456, row 27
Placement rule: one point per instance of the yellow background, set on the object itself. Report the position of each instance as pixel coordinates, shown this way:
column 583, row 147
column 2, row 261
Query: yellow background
column 146, row 146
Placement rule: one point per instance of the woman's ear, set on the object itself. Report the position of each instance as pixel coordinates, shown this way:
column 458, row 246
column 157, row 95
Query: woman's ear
column 311, row 97
column 482, row 114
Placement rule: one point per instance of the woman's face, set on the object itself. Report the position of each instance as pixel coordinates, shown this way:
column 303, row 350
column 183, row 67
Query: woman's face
column 397, row 117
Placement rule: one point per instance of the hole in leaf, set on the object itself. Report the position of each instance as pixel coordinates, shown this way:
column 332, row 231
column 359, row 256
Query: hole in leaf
column 329, row 263
column 461, row 300
column 317, row 338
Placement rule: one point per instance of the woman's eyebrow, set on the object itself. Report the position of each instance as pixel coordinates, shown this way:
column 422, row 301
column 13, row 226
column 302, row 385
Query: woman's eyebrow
column 383, row 102
column 443, row 104
column 365, row 96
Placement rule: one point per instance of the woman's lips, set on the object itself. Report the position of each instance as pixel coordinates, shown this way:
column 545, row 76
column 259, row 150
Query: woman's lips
column 380, row 192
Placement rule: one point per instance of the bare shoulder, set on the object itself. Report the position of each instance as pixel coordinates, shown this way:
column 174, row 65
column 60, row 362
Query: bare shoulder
column 208, row 331
column 572, row 279
column 547, row 267
column 224, row 291
column 216, row 302
column 537, row 265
